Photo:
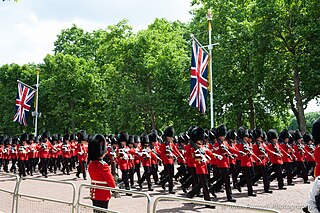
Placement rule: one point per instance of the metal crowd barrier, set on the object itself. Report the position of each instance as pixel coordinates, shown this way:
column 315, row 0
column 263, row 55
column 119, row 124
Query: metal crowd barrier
column 56, row 204
column 79, row 204
column 211, row 203
column 8, row 196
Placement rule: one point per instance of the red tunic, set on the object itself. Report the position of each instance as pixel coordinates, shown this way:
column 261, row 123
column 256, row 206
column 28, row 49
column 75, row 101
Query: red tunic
column 245, row 159
column 188, row 156
column 224, row 162
column 166, row 155
column 259, row 154
column 44, row 149
column 82, row 152
column 66, row 150
column 23, row 152
column 99, row 171
column 299, row 152
column 274, row 159
column 309, row 152
column 316, row 155
column 288, row 157
column 14, row 152
column 123, row 158
column 32, row 150
column 200, row 163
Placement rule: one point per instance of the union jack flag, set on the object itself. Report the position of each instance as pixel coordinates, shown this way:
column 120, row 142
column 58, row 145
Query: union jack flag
column 23, row 103
column 199, row 78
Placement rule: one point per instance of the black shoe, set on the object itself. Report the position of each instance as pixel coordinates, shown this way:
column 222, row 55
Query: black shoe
column 140, row 185
column 84, row 178
column 46, row 176
column 163, row 186
column 211, row 207
column 230, row 199
column 188, row 195
column 172, row 192
column 306, row 182
column 184, row 189
column 291, row 184
column 150, row 189
column 252, row 195
column 268, row 191
column 77, row 175
column 282, row 188
column 238, row 187
column 128, row 194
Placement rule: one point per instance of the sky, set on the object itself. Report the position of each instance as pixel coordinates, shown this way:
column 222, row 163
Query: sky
column 30, row 27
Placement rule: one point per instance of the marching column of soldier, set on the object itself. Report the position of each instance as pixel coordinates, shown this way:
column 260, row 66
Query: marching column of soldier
column 204, row 162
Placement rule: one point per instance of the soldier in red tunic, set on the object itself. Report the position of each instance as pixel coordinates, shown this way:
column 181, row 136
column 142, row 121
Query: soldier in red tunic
column 44, row 147
column 168, row 152
column 66, row 154
column 82, row 154
column 259, row 149
column 222, row 148
column 275, row 156
column 23, row 150
column 316, row 153
column 201, row 159
column 99, row 172
column 299, row 153
column 309, row 149
column 123, row 158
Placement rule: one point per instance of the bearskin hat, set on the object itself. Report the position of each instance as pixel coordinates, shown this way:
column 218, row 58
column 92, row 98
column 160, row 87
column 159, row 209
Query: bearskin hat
column 316, row 132
column 15, row 140
column 169, row 132
column 44, row 136
column 31, row 137
column 307, row 137
column 82, row 136
column 136, row 139
column 181, row 139
column 221, row 131
column 7, row 140
column 256, row 133
column 130, row 140
column 144, row 139
column 66, row 137
column 152, row 137
column 197, row 134
column 243, row 132
column 123, row 137
column 113, row 140
column 73, row 137
column 97, row 147
column 284, row 134
column 297, row 135
column 212, row 135
column 54, row 137
column 24, row 137
column 272, row 134
column 231, row 134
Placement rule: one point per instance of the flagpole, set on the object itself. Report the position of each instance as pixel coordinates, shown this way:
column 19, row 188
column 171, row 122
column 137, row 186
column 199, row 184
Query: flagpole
column 209, row 18
column 37, row 94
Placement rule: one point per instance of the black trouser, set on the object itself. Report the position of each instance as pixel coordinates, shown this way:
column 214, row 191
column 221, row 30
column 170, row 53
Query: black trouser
column 224, row 179
column 22, row 167
column 53, row 164
column 44, row 166
column 131, row 173
column 101, row 204
column 154, row 171
column 202, row 183
column 65, row 165
column 310, row 166
column 82, row 168
column 247, row 179
column 181, row 171
column 288, row 167
column 278, row 172
column 31, row 166
column 189, row 180
column 261, row 171
column 125, row 178
column 146, row 176
column 234, row 174
column 13, row 167
column 137, row 170
column 169, row 168
column 301, row 168
column 5, row 165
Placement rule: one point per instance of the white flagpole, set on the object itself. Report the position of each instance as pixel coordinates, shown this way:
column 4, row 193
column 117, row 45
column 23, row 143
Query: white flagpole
column 37, row 114
column 209, row 17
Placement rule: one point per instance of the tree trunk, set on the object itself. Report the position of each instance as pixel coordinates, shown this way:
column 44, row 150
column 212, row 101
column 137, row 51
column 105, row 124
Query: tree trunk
column 252, row 113
column 299, row 105
column 154, row 120
column 239, row 118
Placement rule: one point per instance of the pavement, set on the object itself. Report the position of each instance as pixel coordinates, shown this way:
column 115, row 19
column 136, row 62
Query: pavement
column 292, row 200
